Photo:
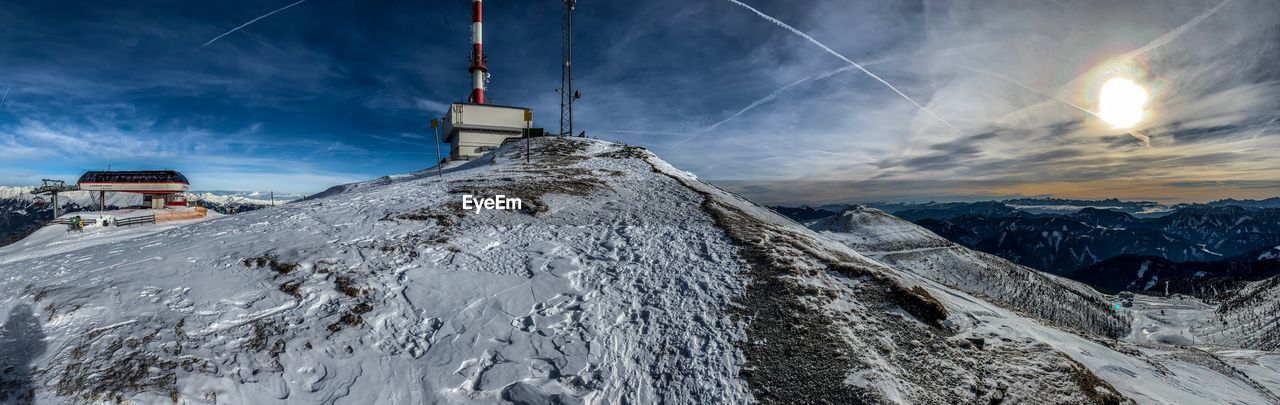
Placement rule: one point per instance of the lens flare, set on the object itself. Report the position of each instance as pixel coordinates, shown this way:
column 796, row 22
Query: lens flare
column 1121, row 102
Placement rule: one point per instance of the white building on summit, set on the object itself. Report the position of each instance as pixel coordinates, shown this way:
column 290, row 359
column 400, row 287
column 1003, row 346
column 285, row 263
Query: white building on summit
column 473, row 129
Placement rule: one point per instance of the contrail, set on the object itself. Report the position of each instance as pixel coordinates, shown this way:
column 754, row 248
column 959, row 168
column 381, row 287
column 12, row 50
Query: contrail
column 1163, row 39
column 776, row 93
column 5, row 97
column 766, row 99
column 1171, row 35
column 783, row 89
column 1146, row 140
column 251, row 22
column 847, row 60
column 1023, row 86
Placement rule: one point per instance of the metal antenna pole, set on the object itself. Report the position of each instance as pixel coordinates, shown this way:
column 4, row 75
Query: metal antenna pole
column 439, row 161
column 569, row 62
column 566, row 71
column 435, row 124
column 528, row 133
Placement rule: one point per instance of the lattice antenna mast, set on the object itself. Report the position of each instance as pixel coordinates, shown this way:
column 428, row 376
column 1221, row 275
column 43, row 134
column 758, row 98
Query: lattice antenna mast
column 567, row 94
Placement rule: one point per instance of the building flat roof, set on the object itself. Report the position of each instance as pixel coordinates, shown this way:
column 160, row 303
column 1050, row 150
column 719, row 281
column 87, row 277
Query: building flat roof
column 133, row 177
column 493, row 105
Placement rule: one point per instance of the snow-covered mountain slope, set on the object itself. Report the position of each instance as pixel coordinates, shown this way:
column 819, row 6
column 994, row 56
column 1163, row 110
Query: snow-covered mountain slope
column 1157, row 336
column 911, row 248
column 336, row 299
column 1250, row 318
column 621, row 280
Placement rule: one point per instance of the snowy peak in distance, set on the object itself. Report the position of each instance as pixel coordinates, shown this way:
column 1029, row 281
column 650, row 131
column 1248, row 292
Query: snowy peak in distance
column 868, row 230
column 245, row 197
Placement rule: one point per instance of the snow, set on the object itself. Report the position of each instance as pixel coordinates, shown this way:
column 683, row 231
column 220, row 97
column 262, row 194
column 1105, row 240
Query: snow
column 1156, row 362
column 870, row 230
column 1151, row 283
column 625, row 280
column 1167, row 320
column 57, row 239
column 1142, row 270
column 592, row 302
column 1156, row 374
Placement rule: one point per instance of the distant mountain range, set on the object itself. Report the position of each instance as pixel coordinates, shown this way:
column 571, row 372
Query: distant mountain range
column 1194, row 247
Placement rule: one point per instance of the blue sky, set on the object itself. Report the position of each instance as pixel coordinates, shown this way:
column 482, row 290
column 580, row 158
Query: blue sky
column 331, row 91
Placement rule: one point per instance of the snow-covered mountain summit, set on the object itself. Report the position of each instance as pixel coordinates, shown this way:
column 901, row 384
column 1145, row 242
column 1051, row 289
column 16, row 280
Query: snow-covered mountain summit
column 619, row 280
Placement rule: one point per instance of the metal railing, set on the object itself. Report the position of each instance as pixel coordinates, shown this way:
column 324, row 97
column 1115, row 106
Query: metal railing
column 147, row 219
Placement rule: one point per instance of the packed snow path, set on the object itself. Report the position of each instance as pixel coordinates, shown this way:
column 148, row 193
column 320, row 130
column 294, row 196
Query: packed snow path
column 623, row 280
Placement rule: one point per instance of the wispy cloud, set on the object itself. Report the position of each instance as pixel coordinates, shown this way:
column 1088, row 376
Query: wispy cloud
column 225, row 167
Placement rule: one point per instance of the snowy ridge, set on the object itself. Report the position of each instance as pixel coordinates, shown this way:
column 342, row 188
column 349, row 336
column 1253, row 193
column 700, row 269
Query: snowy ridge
column 623, row 280
column 238, row 199
column 913, row 249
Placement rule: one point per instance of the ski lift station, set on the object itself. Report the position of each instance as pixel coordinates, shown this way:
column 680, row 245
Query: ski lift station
column 159, row 188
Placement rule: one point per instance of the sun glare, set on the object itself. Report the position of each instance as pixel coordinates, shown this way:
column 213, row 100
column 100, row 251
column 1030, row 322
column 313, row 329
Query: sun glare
column 1121, row 102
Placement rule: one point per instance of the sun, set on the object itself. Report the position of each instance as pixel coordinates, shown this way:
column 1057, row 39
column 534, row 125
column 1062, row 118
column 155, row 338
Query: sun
column 1121, row 102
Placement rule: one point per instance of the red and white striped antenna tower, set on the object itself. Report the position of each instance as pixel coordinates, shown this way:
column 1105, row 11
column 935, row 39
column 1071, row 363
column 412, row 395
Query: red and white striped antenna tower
column 479, row 72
